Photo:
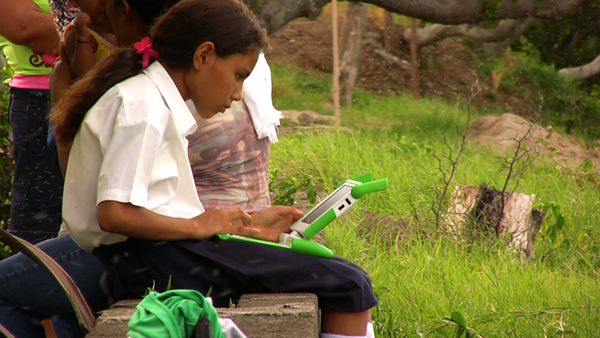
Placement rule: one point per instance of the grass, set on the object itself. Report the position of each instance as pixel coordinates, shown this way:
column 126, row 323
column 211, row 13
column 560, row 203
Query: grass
column 425, row 282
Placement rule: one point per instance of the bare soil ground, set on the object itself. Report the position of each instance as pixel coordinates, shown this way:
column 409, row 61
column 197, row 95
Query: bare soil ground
column 446, row 70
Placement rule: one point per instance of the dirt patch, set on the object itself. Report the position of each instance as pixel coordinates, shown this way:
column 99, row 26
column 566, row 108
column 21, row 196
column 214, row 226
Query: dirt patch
column 445, row 68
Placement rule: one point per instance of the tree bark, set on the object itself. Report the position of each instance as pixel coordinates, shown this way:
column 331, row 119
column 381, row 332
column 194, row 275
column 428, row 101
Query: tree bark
column 274, row 14
column 414, row 61
column 497, row 48
column 355, row 16
column 583, row 72
column 389, row 33
column 506, row 30
column 336, row 67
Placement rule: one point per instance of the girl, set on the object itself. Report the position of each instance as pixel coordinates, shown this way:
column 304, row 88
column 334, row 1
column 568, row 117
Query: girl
column 29, row 42
column 129, row 191
column 89, row 38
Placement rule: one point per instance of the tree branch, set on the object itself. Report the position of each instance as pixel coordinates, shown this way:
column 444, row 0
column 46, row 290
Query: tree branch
column 274, row 14
column 505, row 30
column 583, row 72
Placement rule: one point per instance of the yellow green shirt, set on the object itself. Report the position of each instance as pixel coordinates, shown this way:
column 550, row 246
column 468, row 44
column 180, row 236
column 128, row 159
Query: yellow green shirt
column 23, row 60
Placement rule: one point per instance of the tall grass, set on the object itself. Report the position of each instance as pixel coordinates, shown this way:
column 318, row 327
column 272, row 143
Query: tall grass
column 424, row 280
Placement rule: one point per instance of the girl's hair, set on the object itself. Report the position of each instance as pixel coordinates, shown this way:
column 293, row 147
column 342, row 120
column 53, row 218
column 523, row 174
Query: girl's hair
column 229, row 24
column 148, row 10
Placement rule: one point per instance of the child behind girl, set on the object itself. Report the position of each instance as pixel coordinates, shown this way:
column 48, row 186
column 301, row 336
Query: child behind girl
column 129, row 193
column 89, row 38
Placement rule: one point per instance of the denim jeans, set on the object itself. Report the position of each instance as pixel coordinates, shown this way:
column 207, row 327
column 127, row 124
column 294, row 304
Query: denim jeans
column 36, row 195
column 29, row 294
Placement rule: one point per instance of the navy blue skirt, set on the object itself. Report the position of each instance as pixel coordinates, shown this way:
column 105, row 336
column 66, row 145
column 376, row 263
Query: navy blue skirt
column 229, row 269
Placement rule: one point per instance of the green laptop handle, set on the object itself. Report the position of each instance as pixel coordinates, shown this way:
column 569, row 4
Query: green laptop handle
column 360, row 190
column 308, row 247
column 320, row 223
column 364, row 178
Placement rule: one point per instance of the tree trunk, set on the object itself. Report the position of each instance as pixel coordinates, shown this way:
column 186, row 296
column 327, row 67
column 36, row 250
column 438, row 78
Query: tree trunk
column 475, row 211
column 414, row 61
column 389, row 33
column 336, row 67
column 356, row 13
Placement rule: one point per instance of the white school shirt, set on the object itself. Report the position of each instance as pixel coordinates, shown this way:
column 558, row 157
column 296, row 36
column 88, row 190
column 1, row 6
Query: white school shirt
column 131, row 148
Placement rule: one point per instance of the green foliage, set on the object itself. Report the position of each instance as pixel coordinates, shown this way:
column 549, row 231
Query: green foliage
column 5, row 251
column 557, row 40
column 554, row 222
column 285, row 189
column 461, row 325
column 301, row 91
column 569, row 106
column 491, row 7
column 153, row 287
column 426, row 282
column 564, row 103
column 6, row 160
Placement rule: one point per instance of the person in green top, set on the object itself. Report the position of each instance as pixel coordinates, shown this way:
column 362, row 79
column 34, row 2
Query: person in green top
column 29, row 42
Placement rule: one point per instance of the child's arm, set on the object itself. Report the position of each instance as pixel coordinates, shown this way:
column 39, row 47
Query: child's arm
column 130, row 220
column 80, row 46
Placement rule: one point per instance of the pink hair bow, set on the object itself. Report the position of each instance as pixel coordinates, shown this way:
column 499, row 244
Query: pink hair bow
column 144, row 47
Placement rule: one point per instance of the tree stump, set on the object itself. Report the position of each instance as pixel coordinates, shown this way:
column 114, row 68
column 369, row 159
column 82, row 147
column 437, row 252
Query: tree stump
column 509, row 216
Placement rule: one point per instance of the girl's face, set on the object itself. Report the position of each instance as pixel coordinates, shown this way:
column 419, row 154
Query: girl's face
column 214, row 82
column 113, row 16
column 126, row 26
column 96, row 9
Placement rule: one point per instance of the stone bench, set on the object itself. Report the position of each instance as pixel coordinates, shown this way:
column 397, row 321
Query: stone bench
column 294, row 315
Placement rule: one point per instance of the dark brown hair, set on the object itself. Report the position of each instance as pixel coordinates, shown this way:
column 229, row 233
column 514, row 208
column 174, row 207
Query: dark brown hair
column 229, row 24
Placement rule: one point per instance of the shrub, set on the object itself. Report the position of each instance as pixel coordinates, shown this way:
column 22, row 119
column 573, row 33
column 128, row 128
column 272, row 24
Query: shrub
column 6, row 160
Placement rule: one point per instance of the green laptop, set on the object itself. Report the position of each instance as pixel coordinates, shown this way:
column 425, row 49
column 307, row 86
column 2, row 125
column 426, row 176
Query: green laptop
column 335, row 204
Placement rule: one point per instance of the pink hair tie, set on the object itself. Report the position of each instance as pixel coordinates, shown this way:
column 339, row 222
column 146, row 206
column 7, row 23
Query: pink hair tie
column 144, row 47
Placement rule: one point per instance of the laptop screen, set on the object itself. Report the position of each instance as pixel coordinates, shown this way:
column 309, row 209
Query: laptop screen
column 330, row 202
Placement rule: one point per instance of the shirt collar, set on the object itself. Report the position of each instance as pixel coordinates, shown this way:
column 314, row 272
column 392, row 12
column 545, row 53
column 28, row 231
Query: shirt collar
column 184, row 120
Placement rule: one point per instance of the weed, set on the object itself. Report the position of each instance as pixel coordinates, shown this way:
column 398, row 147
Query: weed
column 285, row 190
column 6, row 160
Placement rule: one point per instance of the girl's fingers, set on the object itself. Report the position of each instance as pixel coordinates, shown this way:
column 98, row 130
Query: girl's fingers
column 239, row 214
column 246, row 231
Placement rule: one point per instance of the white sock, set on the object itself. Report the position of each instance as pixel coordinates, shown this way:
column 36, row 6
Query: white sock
column 370, row 331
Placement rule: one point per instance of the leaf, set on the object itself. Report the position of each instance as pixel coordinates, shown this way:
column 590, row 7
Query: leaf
column 458, row 318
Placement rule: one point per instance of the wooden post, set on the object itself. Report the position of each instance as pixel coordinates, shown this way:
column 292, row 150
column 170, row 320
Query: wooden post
column 351, row 38
column 414, row 59
column 336, row 66
column 389, row 34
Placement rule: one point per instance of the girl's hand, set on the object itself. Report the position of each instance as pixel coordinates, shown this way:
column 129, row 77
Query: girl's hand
column 82, row 21
column 224, row 221
column 274, row 221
